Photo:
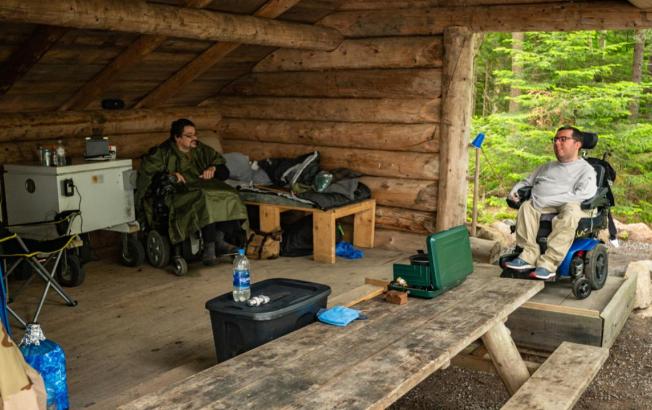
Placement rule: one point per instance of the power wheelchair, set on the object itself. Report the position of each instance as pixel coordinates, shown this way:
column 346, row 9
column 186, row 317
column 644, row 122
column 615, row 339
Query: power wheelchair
column 587, row 261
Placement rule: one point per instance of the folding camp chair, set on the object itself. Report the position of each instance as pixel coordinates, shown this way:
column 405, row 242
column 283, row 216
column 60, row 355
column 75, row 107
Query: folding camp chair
column 38, row 254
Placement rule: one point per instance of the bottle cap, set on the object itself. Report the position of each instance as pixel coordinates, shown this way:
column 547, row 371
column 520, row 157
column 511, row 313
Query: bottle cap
column 241, row 251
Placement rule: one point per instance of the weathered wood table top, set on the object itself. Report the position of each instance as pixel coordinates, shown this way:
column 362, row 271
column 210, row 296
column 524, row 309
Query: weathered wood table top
column 368, row 364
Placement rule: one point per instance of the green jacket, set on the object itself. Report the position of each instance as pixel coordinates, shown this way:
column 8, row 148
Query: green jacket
column 194, row 204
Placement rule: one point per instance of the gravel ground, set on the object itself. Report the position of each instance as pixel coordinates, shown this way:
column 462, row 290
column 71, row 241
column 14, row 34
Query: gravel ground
column 624, row 382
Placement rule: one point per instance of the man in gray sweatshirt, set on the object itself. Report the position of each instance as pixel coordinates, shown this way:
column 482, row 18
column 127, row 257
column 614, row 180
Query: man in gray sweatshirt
column 557, row 187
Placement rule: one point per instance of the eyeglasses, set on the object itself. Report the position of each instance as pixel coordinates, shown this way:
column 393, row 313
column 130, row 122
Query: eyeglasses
column 190, row 136
column 562, row 139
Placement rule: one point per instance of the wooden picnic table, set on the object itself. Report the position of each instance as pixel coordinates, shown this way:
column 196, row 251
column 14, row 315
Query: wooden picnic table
column 368, row 364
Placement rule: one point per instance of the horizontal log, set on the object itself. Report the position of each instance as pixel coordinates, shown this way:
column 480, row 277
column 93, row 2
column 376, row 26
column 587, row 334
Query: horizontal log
column 368, row 162
column 128, row 146
column 44, row 125
column 397, row 52
column 405, row 4
column 403, row 193
column 402, row 83
column 407, row 220
column 481, row 249
column 148, row 18
column 416, row 110
column 559, row 16
column 389, row 137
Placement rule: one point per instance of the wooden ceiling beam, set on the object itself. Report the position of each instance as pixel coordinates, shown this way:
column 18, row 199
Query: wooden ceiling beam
column 158, row 19
column 642, row 4
column 28, row 54
column 130, row 57
column 206, row 60
column 554, row 16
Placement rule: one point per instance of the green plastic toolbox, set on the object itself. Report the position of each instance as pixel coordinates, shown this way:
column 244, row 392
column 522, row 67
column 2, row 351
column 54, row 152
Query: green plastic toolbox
column 446, row 265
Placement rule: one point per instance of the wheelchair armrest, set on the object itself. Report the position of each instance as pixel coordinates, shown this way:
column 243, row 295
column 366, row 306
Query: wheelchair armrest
column 523, row 194
column 598, row 200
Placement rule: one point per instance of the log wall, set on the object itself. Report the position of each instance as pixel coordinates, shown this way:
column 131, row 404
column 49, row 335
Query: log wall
column 371, row 105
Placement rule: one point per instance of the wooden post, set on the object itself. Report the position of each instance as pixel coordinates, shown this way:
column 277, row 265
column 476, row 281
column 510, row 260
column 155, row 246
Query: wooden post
column 476, row 190
column 456, row 111
column 505, row 357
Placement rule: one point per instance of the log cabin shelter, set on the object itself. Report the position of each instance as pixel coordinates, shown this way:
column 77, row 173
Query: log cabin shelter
column 383, row 87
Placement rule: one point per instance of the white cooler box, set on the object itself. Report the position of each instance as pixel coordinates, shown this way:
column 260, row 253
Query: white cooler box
column 103, row 191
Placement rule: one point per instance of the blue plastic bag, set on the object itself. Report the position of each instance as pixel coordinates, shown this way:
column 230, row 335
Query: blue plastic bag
column 47, row 358
column 346, row 250
column 338, row 315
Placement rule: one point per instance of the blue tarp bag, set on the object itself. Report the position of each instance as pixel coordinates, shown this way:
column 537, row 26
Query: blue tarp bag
column 346, row 250
column 338, row 315
column 47, row 358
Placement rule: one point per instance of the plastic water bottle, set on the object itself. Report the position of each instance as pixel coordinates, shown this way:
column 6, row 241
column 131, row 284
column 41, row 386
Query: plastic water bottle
column 60, row 154
column 241, row 278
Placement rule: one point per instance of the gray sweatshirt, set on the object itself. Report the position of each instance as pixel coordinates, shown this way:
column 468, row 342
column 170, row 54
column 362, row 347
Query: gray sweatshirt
column 557, row 183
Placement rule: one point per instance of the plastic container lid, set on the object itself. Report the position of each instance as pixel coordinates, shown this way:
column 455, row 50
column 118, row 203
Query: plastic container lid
column 286, row 295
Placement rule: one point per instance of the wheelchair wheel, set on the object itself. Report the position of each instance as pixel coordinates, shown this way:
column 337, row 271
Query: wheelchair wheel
column 581, row 288
column 157, row 249
column 70, row 272
column 596, row 267
column 179, row 267
column 133, row 252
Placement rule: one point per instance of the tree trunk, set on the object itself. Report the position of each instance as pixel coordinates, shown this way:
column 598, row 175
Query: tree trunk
column 517, row 69
column 637, row 69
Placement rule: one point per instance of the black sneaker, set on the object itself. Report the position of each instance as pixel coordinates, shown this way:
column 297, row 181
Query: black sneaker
column 208, row 257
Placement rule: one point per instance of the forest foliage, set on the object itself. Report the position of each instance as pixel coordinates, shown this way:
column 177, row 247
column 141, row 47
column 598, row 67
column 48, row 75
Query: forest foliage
column 553, row 79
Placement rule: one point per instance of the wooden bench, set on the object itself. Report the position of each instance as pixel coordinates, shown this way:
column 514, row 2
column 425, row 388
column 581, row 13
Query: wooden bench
column 561, row 379
column 323, row 224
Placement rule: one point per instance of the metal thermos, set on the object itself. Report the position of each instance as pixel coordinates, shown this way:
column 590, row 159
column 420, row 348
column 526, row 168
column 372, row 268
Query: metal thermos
column 46, row 156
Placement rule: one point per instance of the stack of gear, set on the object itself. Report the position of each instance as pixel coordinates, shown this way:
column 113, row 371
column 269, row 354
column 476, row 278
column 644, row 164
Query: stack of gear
column 446, row 265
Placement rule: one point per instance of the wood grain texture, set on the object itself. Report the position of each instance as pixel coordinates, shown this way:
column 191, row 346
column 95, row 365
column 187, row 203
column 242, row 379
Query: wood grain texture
column 456, row 113
column 25, row 56
column 559, row 16
column 408, row 220
column 45, row 125
column 408, row 110
column 391, row 137
column 393, row 52
column 369, row 162
column 400, row 83
column 207, row 59
column 420, row 195
column 297, row 371
column 561, row 379
column 159, row 19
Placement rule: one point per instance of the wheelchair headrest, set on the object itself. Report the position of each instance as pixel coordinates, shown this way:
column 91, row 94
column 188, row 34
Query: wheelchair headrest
column 589, row 140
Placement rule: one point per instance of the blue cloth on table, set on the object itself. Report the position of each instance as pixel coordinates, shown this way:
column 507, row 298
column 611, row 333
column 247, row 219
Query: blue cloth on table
column 346, row 250
column 338, row 315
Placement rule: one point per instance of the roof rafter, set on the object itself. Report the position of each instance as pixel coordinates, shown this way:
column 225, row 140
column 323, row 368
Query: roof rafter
column 207, row 59
column 159, row 19
column 28, row 54
column 133, row 54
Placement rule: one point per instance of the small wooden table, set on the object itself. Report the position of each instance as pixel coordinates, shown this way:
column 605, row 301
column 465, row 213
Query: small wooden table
column 368, row 364
column 323, row 225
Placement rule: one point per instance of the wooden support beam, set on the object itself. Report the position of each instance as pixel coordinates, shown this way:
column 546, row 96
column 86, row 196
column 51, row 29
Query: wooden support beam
column 373, row 83
column 130, row 57
column 45, row 125
column 28, row 54
column 552, row 16
column 405, row 111
column 394, row 52
column 207, row 59
column 505, row 357
column 149, row 18
column 388, row 136
column 457, row 95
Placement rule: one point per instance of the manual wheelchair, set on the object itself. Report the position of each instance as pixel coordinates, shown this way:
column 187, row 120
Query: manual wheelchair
column 587, row 261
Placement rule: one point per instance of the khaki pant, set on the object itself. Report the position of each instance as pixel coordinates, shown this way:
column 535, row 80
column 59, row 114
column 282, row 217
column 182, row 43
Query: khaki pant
column 560, row 239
